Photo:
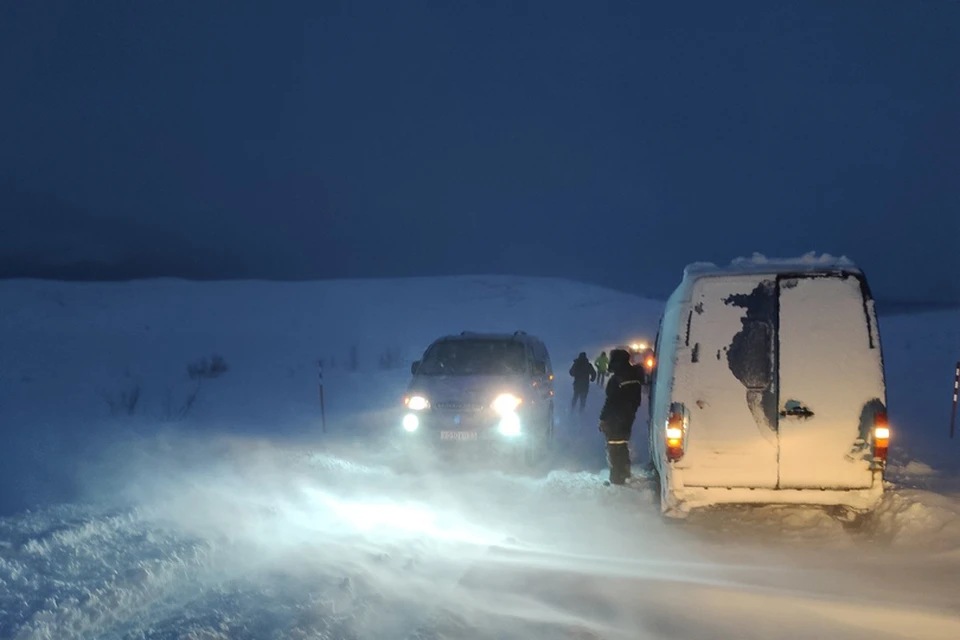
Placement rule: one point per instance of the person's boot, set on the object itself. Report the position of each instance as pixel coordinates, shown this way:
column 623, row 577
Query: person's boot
column 616, row 477
column 619, row 460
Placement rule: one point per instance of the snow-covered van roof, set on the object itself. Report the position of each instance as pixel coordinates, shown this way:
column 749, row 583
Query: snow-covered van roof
column 761, row 265
column 758, row 263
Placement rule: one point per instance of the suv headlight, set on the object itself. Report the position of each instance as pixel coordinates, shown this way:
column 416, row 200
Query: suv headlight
column 417, row 403
column 506, row 403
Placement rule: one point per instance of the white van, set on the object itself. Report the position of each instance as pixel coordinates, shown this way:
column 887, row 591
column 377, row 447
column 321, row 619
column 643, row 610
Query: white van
column 769, row 388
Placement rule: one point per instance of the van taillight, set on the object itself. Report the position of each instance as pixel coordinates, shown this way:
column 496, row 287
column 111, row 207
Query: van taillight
column 675, row 437
column 881, row 436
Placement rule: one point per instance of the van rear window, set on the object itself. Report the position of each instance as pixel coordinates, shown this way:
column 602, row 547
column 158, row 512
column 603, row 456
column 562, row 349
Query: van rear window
column 864, row 299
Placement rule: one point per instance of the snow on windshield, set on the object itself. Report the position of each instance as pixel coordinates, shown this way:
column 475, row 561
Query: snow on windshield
column 473, row 357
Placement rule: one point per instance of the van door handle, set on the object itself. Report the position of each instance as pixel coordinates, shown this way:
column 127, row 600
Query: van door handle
column 796, row 412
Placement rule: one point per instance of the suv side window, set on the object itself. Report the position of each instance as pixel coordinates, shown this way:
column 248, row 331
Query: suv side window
column 540, row 357
column 546, row 359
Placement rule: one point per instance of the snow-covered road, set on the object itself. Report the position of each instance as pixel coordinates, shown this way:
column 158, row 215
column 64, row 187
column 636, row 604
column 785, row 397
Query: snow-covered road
column 244, row 539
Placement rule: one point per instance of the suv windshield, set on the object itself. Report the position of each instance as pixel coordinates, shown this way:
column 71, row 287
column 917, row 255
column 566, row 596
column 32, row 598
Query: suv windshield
column 474, row 357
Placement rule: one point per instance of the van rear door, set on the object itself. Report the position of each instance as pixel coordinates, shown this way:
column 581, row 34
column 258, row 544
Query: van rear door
column 724, row 376
column 830, row 379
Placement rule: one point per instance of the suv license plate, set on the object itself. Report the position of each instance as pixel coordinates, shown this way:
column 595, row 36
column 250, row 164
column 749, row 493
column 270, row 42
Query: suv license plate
column 458, row 435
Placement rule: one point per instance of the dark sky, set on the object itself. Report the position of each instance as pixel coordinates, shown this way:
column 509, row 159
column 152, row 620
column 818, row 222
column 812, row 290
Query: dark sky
column 612, row 142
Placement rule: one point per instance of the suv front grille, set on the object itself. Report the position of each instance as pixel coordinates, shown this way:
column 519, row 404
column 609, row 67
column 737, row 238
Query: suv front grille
column 463, row 407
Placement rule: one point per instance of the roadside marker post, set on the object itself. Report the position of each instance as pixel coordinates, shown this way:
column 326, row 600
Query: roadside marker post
column 323, row 410
column 956, row 389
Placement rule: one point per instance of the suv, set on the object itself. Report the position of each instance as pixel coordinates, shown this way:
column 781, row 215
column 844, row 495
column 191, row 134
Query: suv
column 477, row 389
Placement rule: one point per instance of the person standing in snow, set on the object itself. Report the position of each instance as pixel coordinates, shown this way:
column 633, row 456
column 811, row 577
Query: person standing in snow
column 624, row 393
column 602, row 363
column 583, row 374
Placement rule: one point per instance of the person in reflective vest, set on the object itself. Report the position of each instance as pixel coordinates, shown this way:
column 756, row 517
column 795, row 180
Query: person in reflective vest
column 624, row 393
column 602, row 363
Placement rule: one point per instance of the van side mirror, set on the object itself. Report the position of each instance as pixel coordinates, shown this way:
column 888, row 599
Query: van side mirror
column 414, row 366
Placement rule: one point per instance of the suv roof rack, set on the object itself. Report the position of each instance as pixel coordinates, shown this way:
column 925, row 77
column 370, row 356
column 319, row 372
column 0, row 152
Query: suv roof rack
column 516, row 335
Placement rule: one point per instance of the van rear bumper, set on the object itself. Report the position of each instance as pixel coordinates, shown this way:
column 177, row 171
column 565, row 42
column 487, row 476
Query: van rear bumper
column 680, row 500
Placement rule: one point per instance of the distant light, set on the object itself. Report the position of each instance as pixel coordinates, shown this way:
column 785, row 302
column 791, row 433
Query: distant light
column 411, row 422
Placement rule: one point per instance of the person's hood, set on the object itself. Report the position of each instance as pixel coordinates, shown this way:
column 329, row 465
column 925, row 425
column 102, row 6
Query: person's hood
column 619, row 360
column 475, row 390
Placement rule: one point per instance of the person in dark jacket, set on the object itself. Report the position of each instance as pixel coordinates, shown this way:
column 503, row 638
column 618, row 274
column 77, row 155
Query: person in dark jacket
column 583, row 374
column 624, row 393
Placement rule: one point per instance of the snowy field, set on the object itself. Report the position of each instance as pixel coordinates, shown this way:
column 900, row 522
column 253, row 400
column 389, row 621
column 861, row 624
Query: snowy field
column 234, row 516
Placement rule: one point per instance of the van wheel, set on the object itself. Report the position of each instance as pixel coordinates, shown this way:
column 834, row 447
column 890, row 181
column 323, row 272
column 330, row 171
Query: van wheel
column 668, row 514
column 851, row 519
column 657, row 489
